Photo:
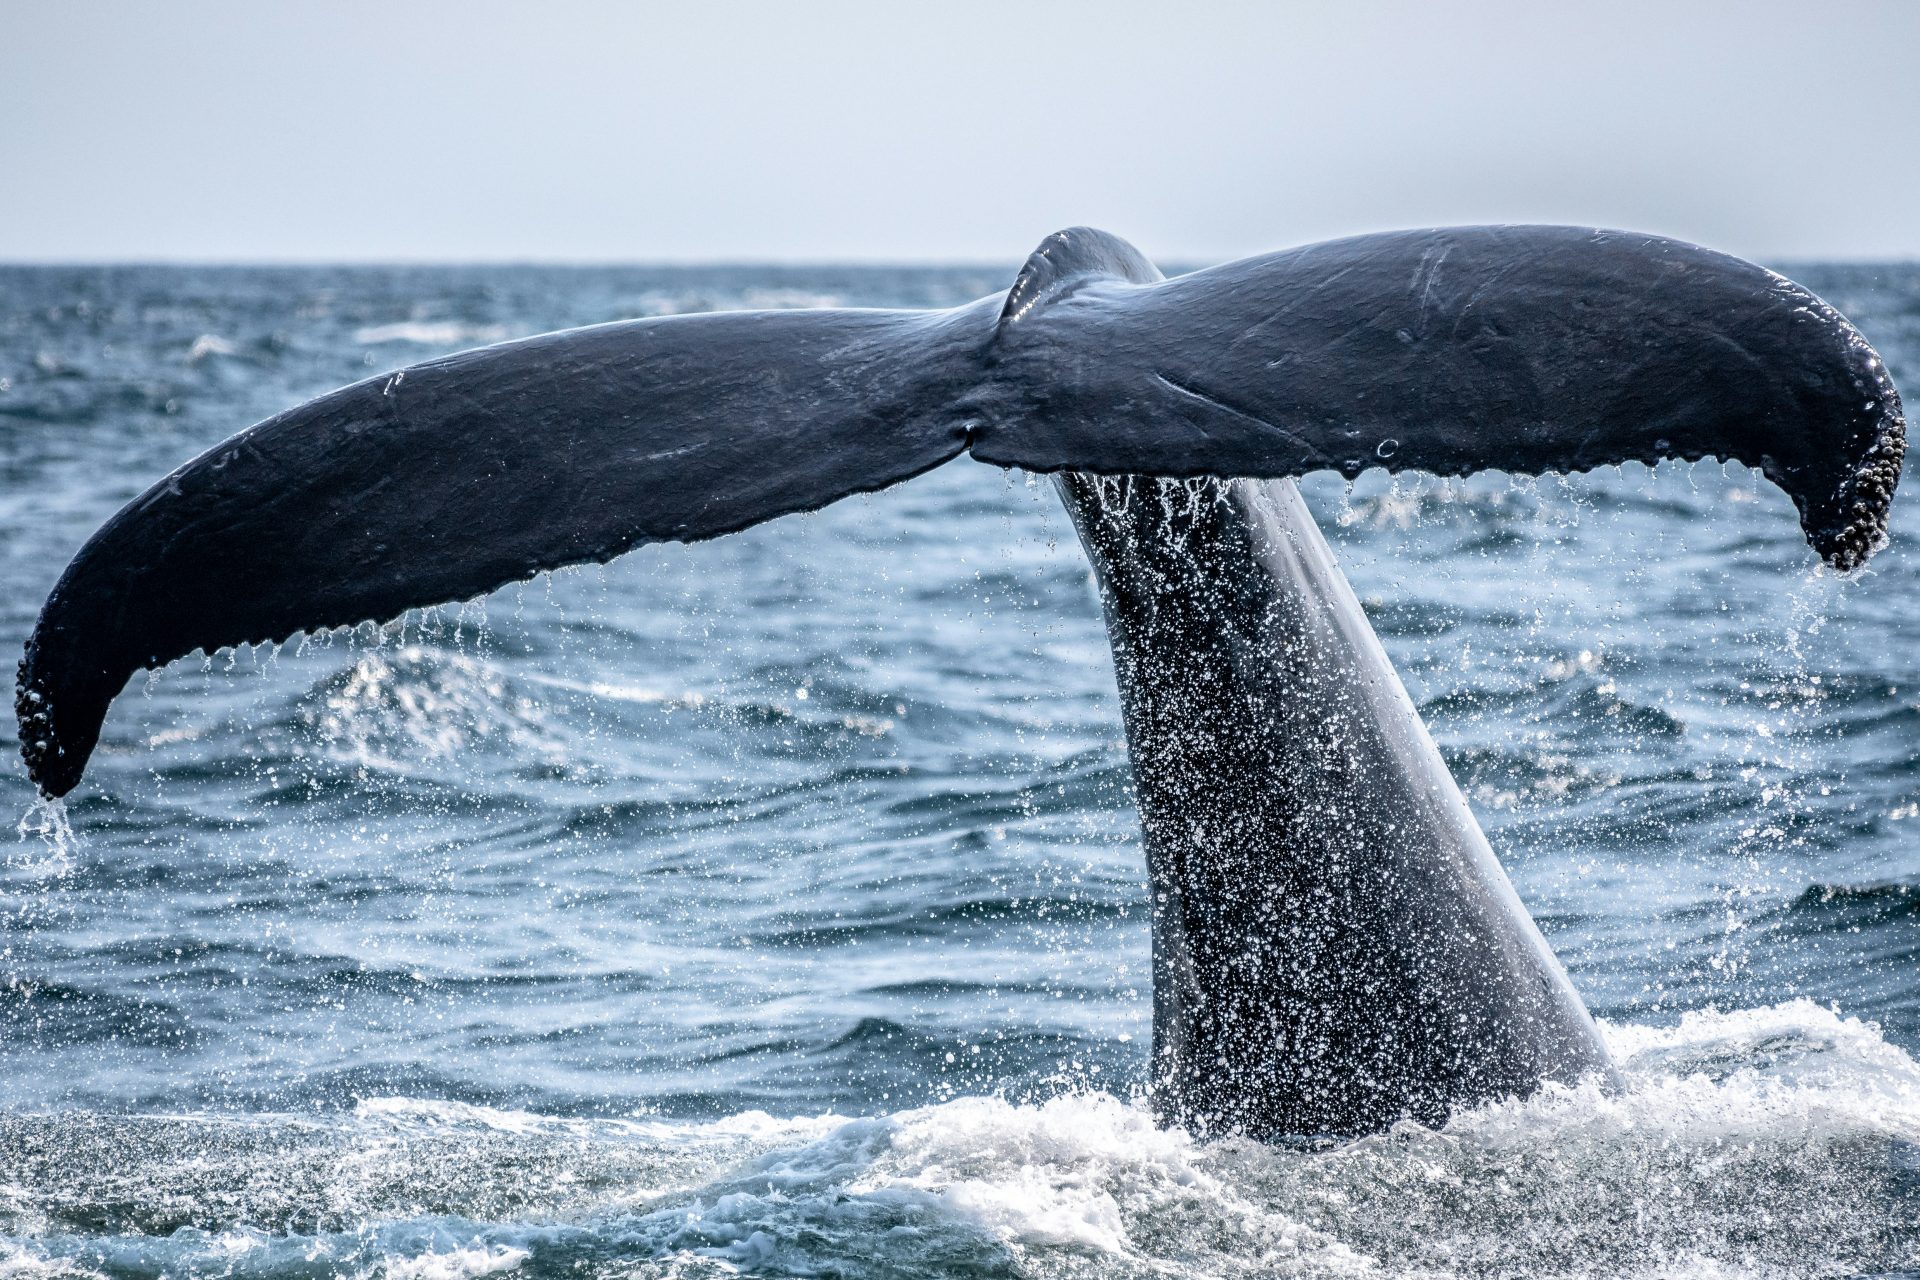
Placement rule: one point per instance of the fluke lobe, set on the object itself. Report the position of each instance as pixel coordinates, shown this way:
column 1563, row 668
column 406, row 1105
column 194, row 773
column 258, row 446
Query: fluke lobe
column 1335, row 945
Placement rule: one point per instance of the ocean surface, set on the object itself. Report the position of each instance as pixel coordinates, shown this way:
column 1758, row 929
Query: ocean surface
column 776, row 905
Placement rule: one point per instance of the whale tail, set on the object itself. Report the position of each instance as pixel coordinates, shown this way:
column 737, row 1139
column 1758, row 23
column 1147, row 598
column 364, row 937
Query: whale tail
column 447, row 479
column 1450, row 351
column 1521, row 348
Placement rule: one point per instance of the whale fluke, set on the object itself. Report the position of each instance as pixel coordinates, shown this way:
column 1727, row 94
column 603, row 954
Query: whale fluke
column 1521, row 348
column 448, row 479
column 1450, row 351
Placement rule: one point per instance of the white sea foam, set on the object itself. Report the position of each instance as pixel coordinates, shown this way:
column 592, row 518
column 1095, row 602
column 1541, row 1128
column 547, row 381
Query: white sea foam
column 664, row 302
column 209, row 344
column 429, row 333
column 456, row 1264
column 440, row 1114
column 22, row 1261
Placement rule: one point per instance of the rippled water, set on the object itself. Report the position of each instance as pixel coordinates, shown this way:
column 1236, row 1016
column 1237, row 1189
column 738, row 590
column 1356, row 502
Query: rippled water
column 776, row 904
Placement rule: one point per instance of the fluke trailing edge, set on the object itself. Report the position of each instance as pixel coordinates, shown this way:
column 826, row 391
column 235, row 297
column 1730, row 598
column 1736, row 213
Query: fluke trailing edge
column 1335, row 944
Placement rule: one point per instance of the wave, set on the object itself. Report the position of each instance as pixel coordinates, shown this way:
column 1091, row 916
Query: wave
column 53, row 1015
column 1851, row 908
column 1776, row 1141
column 880, row 922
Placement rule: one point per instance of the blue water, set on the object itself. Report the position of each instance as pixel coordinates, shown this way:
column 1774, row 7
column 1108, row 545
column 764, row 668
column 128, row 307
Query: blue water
column 777, row 905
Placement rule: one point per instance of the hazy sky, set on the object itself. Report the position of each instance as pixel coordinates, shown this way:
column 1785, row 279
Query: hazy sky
column 562, row 131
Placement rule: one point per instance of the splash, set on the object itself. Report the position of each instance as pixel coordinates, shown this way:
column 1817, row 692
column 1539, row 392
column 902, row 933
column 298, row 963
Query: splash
column 1774, row 1141
column 46, row 823
column 391, row 710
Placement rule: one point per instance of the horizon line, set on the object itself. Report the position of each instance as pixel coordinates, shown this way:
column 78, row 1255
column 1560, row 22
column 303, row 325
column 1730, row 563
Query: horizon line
column 1172, row 263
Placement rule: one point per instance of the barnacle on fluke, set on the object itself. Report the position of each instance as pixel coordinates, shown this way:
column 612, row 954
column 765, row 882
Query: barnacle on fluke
column 1847, row 522
column 1850, row 529
column 36, row 726
column 1864, row 503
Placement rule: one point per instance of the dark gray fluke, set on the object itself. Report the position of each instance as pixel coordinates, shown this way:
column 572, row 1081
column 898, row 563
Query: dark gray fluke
column 1335, row 944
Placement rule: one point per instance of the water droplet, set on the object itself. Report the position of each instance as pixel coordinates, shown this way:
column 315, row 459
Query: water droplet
column 1388, row 447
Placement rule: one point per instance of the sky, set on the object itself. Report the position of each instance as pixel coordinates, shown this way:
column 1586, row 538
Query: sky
column 570, row 130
